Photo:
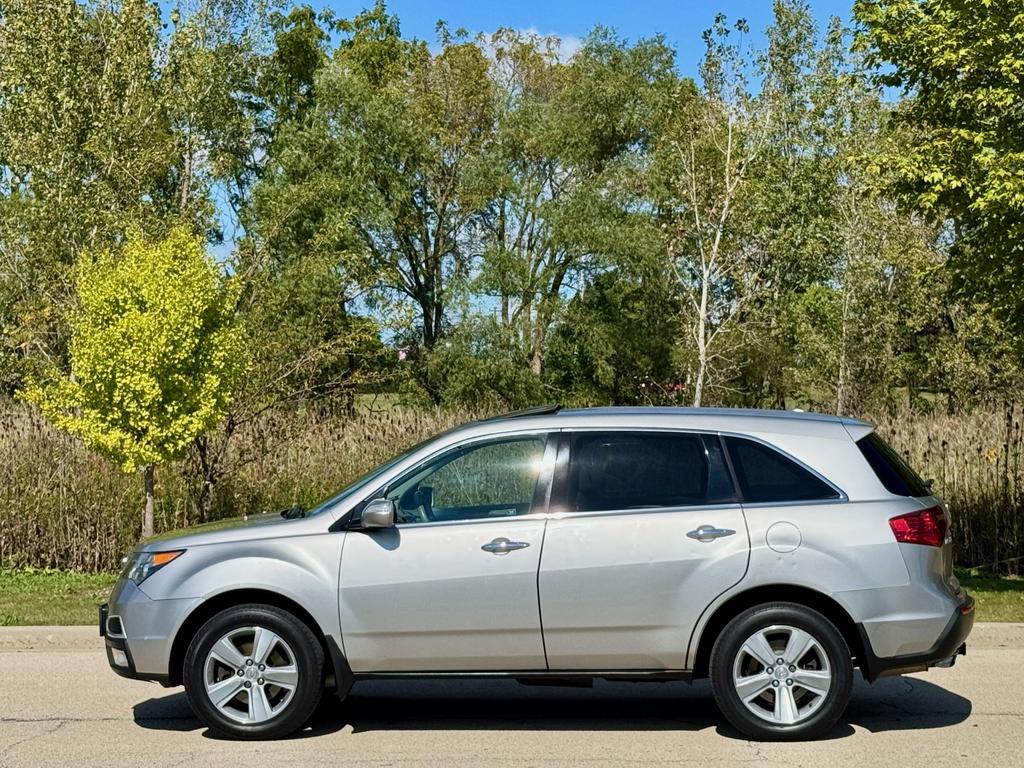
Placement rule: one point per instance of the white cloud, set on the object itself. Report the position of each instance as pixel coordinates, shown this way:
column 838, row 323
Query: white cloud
column 567, row 47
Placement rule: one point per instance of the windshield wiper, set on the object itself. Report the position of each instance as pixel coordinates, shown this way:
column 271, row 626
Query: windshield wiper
column 293, row 513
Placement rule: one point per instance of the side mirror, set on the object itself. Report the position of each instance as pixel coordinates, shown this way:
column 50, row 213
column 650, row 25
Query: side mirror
column 379, row 513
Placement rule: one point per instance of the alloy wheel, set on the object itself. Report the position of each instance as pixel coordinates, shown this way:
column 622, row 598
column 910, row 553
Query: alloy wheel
column 781, row 674
column 250, row 675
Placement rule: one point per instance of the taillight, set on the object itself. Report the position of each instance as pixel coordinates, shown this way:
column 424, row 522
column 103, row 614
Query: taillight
column 927, row 527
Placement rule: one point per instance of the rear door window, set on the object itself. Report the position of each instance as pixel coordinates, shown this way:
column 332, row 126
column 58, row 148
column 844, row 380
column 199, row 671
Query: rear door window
column 766, row 475
column 894, row 473
column 637, row 470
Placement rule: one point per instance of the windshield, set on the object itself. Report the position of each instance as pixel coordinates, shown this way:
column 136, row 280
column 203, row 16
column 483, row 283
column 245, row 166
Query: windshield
column 367, row 480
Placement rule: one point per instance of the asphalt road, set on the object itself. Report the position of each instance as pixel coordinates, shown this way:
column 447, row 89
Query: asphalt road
column 61, row 706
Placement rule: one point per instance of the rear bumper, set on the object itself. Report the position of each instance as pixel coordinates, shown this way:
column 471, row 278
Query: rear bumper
column 950, row 644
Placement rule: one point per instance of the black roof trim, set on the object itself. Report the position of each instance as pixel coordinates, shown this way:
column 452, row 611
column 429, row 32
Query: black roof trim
column 549, row 409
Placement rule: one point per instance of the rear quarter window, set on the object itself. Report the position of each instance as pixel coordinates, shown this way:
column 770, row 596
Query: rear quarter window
column 766, row 475
column 893, row 472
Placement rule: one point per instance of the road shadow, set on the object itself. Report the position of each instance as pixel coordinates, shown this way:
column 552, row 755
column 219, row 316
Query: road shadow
column 171, row 712
column 891, row 704
column 905, row 704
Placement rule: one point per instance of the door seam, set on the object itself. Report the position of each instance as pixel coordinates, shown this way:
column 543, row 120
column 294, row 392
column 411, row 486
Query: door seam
column 540, row 612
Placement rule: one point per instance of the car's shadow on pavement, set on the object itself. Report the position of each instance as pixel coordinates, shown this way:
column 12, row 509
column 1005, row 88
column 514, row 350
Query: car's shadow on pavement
column 898, row 703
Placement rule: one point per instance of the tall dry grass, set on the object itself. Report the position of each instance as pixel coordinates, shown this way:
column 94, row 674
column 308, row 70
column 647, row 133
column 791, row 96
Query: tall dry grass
column 976, row 464
column 61, row 506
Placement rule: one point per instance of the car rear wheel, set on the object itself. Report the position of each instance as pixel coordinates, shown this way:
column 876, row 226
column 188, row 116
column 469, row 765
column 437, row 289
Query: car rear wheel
column 781, row 671
column 254, row 672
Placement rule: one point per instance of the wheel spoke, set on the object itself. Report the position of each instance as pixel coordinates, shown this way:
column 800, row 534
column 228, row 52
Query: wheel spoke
column 751, row 686
column 813, row 680
column 758, row 647
column 259, row 707
column 283, row 677
column 785, row 705
column 797, row 646
column 226, row 652
column 262, row 644
column 224, row 691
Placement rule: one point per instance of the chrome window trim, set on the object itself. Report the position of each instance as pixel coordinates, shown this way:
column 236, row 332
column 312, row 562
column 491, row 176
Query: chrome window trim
column 694, row 508
column 472, row 521
column 548, row 432
column 808, row 503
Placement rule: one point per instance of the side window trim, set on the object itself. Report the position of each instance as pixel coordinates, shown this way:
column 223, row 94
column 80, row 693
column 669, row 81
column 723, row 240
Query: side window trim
column 542, row 489
column 559, row 500
column 558, row 497
column 541, row 502
column 841, row 496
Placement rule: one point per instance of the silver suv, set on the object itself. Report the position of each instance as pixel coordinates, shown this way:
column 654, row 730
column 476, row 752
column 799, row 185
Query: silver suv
column 770, row 551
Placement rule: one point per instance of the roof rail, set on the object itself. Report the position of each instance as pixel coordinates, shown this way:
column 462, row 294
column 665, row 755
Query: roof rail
column 548, row 409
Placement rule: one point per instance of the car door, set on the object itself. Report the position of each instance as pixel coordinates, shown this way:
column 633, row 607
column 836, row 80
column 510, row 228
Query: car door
column 645, row 531
column 453, row 585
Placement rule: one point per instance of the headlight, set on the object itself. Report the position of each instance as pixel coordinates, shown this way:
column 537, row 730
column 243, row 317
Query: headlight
column 142, row 565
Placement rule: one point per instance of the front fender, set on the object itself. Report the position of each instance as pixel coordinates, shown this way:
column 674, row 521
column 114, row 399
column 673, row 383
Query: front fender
column 303, row 569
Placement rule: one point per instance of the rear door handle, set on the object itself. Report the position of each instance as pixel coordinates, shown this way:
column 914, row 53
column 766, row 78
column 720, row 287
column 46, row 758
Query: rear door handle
column 706, row 533
column 502, row 546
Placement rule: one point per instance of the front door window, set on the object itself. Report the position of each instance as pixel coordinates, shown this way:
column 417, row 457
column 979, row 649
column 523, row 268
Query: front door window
column 494, row 479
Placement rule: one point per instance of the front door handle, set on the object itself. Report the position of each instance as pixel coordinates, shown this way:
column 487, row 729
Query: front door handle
column 502, row 546
column 706, row 533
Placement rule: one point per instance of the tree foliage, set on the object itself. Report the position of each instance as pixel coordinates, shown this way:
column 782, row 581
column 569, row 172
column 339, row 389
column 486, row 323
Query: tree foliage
column 382, row 174
column 568, row 140
column 493, row 220
column 110, row 121
column 155, row 351
column 959, row 66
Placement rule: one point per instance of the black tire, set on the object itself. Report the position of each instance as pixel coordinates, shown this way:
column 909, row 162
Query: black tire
column 825, row 713
column 308, row 658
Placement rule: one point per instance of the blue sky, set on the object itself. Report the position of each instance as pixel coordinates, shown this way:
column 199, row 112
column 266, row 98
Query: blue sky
column 681, row 22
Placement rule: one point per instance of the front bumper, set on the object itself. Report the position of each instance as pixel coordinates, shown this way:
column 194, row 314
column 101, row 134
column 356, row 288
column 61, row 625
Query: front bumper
column 951, row 643
column 139, row 632
column 119, row 655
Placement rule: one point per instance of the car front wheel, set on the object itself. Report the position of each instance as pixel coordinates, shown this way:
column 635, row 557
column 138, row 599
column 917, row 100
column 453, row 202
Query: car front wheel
column 781, row 671
column 254, row 672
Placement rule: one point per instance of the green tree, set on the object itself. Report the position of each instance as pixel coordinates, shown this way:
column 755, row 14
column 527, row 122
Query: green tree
column 701, row 180
column 960, row 66
column 85, row 147
column 110, row 120
column 482, row 366
column 789, row 212
column 618, row 343
column 302, row 275
column 155, row 354
column 569, row 141
column 210, row 82
column 381, row 175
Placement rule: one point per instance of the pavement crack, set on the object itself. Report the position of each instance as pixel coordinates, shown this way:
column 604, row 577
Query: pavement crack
column 61, row 719
column 57, row 725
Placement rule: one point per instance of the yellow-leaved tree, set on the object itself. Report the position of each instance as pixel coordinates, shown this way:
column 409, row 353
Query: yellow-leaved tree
column 155, row 354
